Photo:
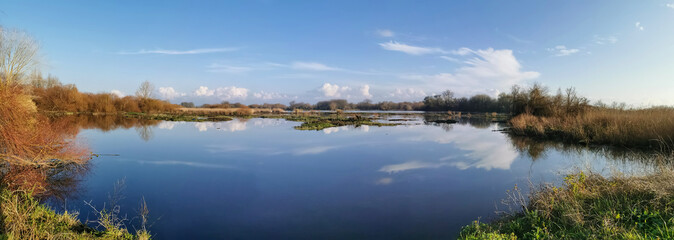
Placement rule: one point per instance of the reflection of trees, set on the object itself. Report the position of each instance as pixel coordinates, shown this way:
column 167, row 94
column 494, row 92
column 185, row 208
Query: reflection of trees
column 145, row 132
column 107, row 123
column 58, row 182
column 536, row 149
column 476, row 122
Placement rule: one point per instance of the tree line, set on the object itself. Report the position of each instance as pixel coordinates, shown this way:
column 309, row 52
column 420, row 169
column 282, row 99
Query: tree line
column 536, row 100
column 51, row 95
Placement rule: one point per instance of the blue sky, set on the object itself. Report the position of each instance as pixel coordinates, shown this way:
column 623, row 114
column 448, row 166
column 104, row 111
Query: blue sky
column 279, row 51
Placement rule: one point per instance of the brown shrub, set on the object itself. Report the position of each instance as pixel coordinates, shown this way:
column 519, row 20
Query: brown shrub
column 28, row 138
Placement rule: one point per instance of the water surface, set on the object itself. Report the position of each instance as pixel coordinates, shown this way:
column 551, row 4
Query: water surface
column 260, row 178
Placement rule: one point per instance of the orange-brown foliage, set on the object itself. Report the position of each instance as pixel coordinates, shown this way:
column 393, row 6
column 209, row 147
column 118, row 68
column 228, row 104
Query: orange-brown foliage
column 628, row 128
column 27, row 138
column 67, row 98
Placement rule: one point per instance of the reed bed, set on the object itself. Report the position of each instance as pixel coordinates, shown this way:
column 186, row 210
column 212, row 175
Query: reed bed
column 642, row 128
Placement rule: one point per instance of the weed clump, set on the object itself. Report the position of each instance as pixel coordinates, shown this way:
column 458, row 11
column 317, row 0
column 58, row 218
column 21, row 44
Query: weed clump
column 589, row 206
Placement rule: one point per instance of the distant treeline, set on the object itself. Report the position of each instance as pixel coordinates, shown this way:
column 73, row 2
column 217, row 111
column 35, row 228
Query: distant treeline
column 51, row 95
column 335, row 104
column 535, row 100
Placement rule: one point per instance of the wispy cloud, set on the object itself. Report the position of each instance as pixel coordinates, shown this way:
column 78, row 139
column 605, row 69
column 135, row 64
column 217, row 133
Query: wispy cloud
column 519, row 40
column 179, row 52
column 313, row 150
column 313, row 66
column 216, row 67
column 489, row 68
column 385, row 33
column 411, row 165
column 670, row 5
column 409, row 49
column 605, row 40
column 561, row 50
column 639, row 26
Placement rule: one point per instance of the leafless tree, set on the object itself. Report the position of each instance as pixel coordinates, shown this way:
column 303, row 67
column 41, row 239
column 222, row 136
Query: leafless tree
column 145, row 90
column 18, row 55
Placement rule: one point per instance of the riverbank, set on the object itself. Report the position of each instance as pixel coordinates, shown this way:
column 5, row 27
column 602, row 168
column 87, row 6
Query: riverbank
column 24, row 217
column 587, row 206
column 644, row 128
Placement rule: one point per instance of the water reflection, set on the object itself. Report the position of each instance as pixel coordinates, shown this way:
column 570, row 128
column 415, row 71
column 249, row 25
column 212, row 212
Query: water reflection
column 261, row 178
column 59, row 182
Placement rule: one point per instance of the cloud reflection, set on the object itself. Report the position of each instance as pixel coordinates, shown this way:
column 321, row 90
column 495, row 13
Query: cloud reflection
column 485, row 149
column 384, row 181
column 167, row 125
column 395, row 168
column 231, row 126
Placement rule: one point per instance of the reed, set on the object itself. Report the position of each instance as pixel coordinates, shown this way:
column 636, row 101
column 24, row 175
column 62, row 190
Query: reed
column 640, row 128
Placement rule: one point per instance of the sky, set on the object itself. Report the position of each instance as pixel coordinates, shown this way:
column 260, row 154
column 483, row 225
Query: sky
column 306, row 51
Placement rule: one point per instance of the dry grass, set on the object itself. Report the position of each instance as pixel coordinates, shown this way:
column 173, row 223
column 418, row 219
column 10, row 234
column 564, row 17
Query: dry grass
column 589, row 207
column 645, row 128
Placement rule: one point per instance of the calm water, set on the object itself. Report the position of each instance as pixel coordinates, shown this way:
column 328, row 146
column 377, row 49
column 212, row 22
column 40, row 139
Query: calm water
column 260, row 178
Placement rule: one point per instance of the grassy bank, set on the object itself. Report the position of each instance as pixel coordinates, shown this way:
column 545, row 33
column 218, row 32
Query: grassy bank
column 23, row 217
column 588, row 206
column 645, row 128
column 336, row 120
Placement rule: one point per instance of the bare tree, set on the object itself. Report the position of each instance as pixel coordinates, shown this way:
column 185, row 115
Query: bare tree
column 18, row 55
column 145, row 90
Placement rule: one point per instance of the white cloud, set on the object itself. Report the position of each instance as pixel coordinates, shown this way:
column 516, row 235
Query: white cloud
column 639, row 26
column 118, row 93
column 179, row 52
column 451, row 59
column 561, row 50
column 489, row 68
column 670, row 5
column 462, row 51
column 269, row 95
column 408, row 93
column 229, row 93
column 215, row 67
column 605, row 40
column 385, row 33
column 204, row 92
column 169, row 93
column 365, row 91
column 409, row 49
column 333, row 90
column 313, row 66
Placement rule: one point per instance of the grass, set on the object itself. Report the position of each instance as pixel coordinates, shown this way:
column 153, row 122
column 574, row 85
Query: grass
column 321, row 122
column 23, row 217
column 178, row 117
column 645, row 128
column 588, row 206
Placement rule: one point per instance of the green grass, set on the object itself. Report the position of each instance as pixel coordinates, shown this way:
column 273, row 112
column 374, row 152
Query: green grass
column 178, row 117
column 588, row 207
column 23, row 217
column 322, row 122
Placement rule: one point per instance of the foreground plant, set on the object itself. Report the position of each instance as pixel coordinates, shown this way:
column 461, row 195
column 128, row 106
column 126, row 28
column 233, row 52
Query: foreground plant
column 589, row 207
column 23, row 217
